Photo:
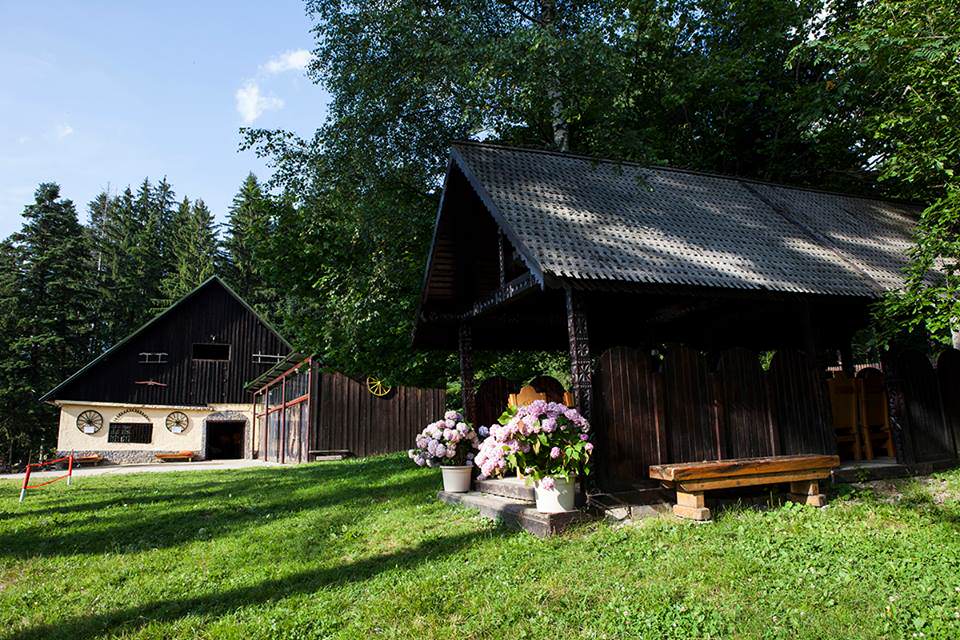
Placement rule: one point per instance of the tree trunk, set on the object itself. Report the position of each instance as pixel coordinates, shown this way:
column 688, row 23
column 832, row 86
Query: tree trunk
column 547, row 11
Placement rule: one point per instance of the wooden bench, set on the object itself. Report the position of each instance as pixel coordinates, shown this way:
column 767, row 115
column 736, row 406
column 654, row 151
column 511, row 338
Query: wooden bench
column 180, row 456
column 91, row 460
column 692, row 479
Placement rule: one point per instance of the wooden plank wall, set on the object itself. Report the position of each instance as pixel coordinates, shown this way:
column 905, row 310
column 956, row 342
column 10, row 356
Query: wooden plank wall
column 688, row 407
column 350, row 418
column 492, row 396
column 930, row 408
column 211, row 315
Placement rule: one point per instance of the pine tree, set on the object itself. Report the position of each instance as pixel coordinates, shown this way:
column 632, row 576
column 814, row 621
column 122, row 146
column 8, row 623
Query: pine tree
column 122, row 287
column 244, row 242
column 196, row 250
column 52, row 298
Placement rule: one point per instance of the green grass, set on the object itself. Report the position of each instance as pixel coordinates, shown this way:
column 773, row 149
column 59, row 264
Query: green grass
column 361, row 549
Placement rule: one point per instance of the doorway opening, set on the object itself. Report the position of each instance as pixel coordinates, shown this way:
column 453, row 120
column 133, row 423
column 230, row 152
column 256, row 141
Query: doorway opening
column 224, row 440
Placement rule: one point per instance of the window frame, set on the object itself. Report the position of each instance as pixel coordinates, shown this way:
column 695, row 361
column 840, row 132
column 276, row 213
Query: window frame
column 228, row 346
column 127, row 430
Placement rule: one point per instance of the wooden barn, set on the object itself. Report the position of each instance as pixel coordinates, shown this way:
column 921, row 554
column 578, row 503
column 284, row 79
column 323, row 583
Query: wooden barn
column 700, row 311
column 175, row 384
column 181, row 384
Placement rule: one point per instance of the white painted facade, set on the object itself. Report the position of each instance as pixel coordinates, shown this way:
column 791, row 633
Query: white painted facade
column 71, row 438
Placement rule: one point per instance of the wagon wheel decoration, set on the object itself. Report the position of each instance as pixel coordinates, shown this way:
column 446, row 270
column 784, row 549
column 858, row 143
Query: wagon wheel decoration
column 377, row 387
column 89, row 422
column 177, row 422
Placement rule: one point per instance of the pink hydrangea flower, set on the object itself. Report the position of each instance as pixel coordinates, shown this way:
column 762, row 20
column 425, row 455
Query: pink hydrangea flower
column 555, row 453
column 548, row 483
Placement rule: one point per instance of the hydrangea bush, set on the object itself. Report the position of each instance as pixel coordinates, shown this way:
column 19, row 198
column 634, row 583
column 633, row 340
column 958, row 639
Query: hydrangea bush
column 448, row 442
column 543, row 440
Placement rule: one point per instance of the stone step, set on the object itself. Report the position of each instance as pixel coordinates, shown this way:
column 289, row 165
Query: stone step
column 515, row 488
column 515, row 513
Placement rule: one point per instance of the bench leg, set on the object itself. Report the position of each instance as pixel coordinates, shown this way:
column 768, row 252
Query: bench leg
column 691, row 506
column 807, row 492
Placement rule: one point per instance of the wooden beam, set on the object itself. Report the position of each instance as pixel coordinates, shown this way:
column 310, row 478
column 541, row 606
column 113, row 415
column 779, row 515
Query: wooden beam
column 509, row 291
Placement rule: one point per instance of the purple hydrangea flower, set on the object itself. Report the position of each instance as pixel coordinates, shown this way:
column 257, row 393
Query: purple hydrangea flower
column 548, row 483
column 584, row 437
column 555, row 453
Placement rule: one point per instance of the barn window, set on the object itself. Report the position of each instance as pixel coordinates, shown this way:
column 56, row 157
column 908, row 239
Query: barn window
column 153, row 357
column 207, row 351
column 137, row 432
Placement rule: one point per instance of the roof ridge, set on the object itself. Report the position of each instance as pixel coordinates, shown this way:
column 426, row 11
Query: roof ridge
column 696, row 172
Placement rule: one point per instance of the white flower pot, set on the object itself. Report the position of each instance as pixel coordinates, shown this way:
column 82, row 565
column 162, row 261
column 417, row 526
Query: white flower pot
column 557, row 500
column 456, row 479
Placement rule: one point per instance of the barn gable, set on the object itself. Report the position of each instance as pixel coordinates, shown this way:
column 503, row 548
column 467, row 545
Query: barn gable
column 200, row 351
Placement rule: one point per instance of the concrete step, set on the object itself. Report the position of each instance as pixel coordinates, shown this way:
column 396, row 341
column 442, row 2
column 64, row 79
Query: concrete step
column 515, row 488
column 515, row 513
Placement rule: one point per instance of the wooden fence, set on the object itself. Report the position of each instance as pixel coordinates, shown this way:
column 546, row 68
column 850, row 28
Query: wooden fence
column 688, row 406
column 682, row 405
column 350, row 418
column 925, row 405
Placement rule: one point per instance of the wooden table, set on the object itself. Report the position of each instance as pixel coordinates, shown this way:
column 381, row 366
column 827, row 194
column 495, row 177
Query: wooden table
column 692, row 479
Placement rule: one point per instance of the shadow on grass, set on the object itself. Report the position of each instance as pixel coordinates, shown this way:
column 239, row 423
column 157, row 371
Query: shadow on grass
column 197, row 484
column 198, row 513
column 131, row 619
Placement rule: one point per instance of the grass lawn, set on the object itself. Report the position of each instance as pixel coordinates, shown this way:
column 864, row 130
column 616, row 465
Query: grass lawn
column 361, row 549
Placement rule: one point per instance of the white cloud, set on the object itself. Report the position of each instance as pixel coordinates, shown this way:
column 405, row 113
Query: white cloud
column 23, row 139
column 251, row 104
column 64, row 130
column 293, row 60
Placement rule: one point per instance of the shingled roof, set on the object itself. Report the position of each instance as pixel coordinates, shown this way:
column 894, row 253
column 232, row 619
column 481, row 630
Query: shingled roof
column 584, row 219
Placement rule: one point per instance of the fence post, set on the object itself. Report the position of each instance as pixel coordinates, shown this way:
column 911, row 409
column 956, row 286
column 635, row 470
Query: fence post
column 26, row 481
column 70, row 470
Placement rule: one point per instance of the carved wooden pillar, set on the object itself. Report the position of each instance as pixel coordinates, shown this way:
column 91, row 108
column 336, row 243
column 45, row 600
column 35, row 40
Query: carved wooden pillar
column 581, row 368
column 502, row 258
column 468, row 383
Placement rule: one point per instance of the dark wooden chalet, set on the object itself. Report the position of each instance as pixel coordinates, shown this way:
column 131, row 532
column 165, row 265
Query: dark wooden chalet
column 176, row 384
column 667, row 287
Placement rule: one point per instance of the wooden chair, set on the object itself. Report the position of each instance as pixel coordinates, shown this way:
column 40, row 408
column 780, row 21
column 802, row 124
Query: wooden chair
column 844, row 409
column 528, row 394
column 875, row 429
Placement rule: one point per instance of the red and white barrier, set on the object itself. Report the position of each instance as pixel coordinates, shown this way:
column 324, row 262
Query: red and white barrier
column 37, row 465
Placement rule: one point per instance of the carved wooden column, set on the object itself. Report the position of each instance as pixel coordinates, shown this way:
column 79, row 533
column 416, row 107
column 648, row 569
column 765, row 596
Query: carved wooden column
column 581, row 368
column 502, row 258
column 468, row 383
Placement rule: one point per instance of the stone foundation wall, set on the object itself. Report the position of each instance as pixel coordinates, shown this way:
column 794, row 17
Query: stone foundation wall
column 140, row 456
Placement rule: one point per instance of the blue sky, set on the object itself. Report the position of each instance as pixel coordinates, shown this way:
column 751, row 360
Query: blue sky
column 98, row 94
